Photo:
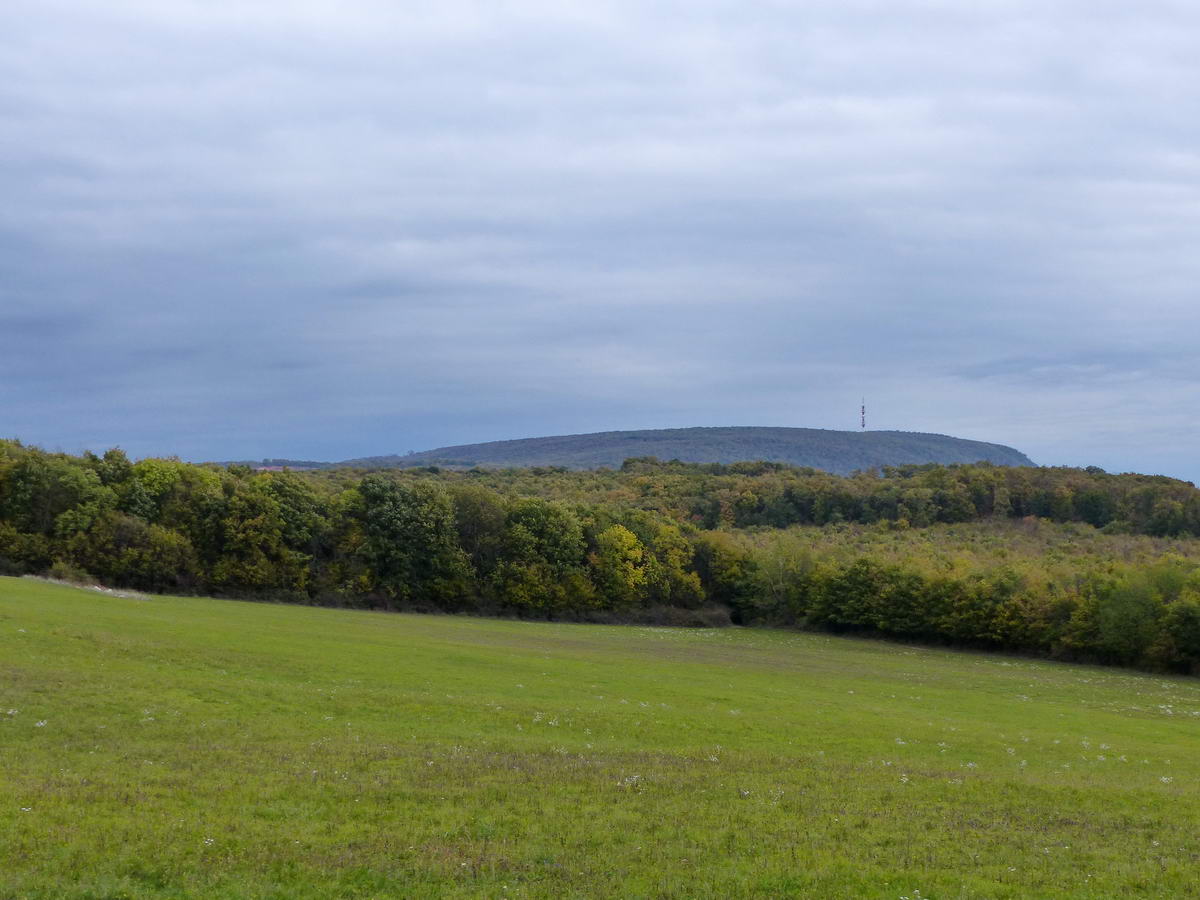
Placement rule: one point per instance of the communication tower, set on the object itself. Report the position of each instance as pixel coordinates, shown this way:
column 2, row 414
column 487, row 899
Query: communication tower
column 863, row 414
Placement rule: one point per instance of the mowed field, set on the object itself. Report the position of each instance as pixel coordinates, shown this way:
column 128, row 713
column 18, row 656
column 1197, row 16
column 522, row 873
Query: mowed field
column 183, row 747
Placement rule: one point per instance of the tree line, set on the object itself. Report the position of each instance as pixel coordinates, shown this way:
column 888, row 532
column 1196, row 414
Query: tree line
column 776, row 495
column 380, row 541
column 1063, row 591
column 654, row 541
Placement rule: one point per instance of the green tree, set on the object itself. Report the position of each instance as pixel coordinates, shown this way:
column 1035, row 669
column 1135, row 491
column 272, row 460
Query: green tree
column 619, row 562
column 542, row 559
column 479, row 518
column 39, row 488
column 1181, row 632
column 125, row 551
column 253, row 554
column 411, row 543
column 1127, row 617
column 670, row 577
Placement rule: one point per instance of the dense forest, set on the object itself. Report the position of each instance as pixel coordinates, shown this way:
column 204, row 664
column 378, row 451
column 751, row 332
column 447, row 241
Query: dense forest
column 1066, row 563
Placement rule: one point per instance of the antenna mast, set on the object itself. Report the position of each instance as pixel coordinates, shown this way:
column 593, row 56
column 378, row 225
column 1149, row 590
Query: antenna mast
column 863, row 414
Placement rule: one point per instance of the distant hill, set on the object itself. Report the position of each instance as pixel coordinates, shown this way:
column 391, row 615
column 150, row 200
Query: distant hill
column 841, row 452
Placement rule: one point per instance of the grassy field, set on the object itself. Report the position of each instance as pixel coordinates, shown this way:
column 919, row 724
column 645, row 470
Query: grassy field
column 171, row 747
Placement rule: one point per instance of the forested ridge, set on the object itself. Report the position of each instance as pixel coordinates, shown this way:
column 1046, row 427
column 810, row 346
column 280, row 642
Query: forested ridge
column 841, row 452
column 1066, row 563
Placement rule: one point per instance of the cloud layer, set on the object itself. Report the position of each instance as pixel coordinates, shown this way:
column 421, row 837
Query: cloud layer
column 329, row 230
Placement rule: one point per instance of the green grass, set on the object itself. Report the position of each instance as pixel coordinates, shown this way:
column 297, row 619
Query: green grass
column 182, row 747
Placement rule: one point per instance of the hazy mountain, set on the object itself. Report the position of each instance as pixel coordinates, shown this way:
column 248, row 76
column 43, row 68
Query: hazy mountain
column 841, row 452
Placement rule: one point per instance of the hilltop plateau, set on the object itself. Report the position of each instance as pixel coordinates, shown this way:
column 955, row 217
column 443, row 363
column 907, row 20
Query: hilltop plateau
column 839, row 452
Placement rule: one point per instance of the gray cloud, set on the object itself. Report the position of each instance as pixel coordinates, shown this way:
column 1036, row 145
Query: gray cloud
column 330, row 230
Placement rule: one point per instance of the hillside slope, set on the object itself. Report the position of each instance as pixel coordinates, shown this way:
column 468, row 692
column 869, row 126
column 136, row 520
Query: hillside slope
column 840, row 452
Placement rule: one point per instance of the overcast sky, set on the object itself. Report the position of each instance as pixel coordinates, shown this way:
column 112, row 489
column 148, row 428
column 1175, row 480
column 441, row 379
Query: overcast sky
column 321, row 229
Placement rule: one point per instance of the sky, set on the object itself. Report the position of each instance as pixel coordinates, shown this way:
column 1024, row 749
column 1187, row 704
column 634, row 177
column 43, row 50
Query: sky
column 323, row 230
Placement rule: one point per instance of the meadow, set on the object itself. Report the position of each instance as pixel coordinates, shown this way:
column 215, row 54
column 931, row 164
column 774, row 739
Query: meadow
column 190, row 747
